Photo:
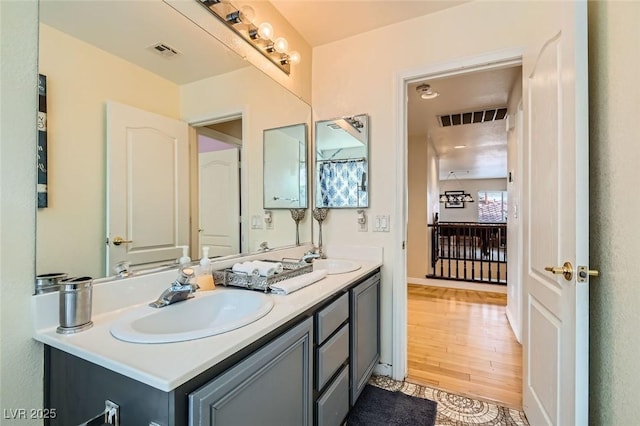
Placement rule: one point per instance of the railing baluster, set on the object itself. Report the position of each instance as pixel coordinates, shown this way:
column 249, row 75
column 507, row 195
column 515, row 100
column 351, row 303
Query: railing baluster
column 483, row 245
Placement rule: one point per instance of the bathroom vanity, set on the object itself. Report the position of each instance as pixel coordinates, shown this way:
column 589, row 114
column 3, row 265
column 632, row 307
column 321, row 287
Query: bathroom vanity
column 304, row 363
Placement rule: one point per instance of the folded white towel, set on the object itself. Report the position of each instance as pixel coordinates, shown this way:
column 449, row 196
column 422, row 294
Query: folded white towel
column 296, row 283
column 246, row 268
column 266, row 269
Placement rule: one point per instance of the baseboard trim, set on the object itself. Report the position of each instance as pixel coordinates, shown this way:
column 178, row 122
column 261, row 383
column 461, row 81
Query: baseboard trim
column 462, row 285
column 516, row 330
column 382, row 370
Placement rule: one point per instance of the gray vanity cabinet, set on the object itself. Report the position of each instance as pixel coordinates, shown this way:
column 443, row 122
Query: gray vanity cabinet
column 331, row 359
column 308, row 372
column 365, row 333
column 273, row 386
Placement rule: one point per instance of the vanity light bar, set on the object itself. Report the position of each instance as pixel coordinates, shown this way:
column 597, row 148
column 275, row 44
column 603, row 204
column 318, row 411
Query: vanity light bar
column 232, row 17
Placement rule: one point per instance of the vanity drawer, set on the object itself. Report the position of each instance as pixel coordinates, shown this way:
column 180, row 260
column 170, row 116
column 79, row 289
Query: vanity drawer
column 332, row 407
column 330, row 318
column 332, row 355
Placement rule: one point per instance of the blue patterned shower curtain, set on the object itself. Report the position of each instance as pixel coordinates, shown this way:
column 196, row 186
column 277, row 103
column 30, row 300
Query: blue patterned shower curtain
column 343, row 183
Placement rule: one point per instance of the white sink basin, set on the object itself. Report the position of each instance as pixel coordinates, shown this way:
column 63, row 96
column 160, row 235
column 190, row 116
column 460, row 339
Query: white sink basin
column 208, row 314
column 336, row 266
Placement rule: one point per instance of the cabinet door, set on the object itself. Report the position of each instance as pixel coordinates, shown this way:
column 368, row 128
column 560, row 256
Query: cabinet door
column 271, row 387
column 365, row 333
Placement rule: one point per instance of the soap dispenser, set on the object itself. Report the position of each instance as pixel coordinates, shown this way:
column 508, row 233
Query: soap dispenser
column 204, row 279
column 185, row 260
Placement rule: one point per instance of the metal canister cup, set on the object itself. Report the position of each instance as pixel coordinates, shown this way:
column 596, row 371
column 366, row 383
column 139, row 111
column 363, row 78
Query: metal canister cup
column 75, row 305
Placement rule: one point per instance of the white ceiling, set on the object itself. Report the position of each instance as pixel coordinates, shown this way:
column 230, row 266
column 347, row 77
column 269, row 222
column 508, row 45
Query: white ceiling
column 485, row 154
column 324, row 21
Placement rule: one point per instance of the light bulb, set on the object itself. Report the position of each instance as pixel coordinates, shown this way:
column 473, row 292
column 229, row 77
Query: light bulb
column 429, row 95
column 294, row 57
column 247, row 13
column 265, row 30
column 281, row 45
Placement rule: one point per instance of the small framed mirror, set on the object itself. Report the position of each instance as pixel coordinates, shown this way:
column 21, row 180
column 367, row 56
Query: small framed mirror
column 285, row 167
column 342, row 162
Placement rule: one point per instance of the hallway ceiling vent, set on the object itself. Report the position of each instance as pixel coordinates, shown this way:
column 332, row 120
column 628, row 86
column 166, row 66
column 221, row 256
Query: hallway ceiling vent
column 459, row 118
column 164, row 49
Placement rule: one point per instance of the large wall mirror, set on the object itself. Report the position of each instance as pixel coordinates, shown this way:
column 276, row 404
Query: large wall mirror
column 148, row 57
column 342, row 162
column 285, row 167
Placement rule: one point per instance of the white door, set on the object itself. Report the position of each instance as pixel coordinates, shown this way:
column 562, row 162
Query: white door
column 147, row 186
column 219, row 183
column 556, row 345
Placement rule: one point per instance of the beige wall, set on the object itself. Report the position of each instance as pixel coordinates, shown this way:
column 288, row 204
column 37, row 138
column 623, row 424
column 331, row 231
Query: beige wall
column 21, row 360
column 417, row 232
column 614, row 66
column 472, row 186
column 422, row 193
column 264, row 104
column 80, row 79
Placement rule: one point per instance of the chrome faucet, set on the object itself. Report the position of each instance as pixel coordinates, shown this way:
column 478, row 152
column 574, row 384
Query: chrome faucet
column 309, row 256
column 181, row 289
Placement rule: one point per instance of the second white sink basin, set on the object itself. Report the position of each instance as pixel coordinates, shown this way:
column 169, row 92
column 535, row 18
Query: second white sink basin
column 336, row 266
column 208, row 314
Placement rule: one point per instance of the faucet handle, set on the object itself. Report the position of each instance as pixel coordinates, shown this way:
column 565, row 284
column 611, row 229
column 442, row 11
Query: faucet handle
column 185, row 275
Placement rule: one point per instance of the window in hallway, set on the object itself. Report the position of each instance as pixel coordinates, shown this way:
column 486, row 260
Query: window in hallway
column 492, row 206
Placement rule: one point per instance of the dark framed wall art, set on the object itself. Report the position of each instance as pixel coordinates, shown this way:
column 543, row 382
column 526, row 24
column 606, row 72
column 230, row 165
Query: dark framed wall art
column 454, row 203
column 42, row 142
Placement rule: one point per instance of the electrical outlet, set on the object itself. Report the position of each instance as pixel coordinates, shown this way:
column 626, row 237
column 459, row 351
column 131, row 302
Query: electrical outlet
column 268, row 219
column 362, row 221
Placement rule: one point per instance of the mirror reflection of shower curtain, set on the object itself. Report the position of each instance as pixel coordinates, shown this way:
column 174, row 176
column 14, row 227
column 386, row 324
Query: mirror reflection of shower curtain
column 343, row 183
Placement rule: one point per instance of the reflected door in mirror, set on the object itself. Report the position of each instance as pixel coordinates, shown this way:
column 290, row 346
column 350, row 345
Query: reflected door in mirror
column 148, row 187
column 219, row 207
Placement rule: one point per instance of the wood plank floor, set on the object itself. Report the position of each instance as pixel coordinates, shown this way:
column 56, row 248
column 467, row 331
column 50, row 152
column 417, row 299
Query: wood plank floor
column 460, row 341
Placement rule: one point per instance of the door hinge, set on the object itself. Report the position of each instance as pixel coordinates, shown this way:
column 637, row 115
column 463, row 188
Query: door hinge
column 403, row 245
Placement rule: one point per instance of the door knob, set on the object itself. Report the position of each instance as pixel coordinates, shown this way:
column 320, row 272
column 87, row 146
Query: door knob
column 565, row 270
column 119, row 240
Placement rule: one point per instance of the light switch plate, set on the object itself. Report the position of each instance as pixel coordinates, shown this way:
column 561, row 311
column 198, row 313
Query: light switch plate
column 382, row 223
column 256, row 221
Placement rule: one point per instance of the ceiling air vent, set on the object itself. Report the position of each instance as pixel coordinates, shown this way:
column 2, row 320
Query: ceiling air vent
column 459, row 118
column 164, row 50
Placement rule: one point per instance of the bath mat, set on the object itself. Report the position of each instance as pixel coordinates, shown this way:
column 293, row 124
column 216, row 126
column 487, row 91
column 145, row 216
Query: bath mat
column 379, row 407
column 456, row 410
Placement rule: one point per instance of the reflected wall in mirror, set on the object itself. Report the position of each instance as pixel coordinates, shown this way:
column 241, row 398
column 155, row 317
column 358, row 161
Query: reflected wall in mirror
column 88, row 61
column 342, row 162
column 285, row 167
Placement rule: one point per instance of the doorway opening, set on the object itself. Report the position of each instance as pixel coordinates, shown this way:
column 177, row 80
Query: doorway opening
column 458, row 337
column 216, row 187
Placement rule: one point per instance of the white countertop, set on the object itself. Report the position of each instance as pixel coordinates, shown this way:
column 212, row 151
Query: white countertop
column 166, row 366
